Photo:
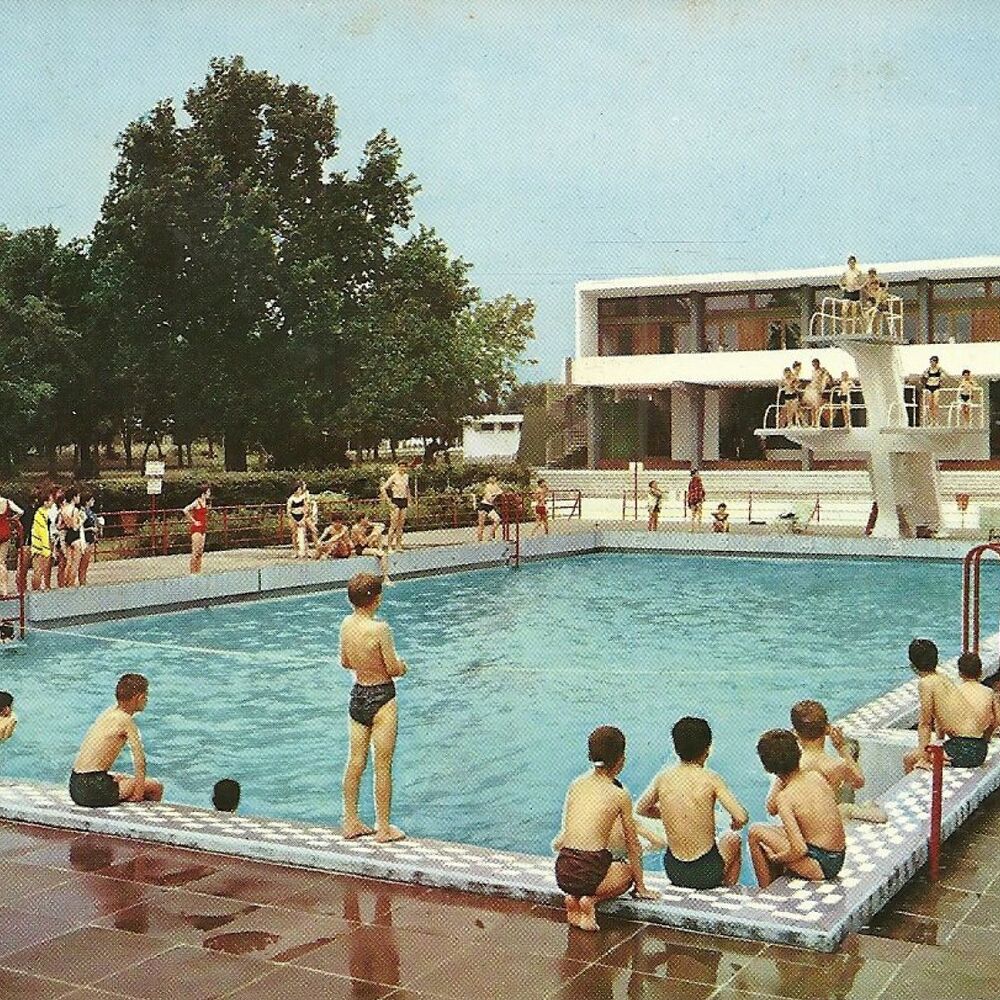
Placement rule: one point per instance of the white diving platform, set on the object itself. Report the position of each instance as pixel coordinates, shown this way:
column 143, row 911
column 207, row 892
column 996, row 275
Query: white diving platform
column 901, row 457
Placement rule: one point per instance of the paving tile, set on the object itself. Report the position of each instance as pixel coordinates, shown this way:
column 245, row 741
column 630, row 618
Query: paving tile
column 293, row 983
column 544, row 931
column 863, row 945
column 178, row 916
column 278, row 935
column 459, row 918
column 85, row 897
column 89, row 993
column 943, row 974
column 165, row 869
column 258, row 883
column 393, row 956
column 21, row 881
column 971, row 940
column 928, row 900
column 21, row 930
column 84, row 956
column 356, row 899
column 482, row 972
column 985, row 913
column 908, row 927
column 19, row 838
column 184, row 973
column 843, row 975
column 663, row 953
column 20, row 986
column 628, row 984
column 83, row 853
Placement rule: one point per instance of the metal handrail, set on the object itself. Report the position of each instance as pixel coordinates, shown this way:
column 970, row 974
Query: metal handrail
column 844, row 321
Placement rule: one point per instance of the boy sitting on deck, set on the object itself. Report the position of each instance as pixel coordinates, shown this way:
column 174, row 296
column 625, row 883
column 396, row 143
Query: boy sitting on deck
column 810, row 842
column 595, row 801
column 720, row 520
column 812, row 727
column 943, row 709
column 335, row 541
column 684, row 797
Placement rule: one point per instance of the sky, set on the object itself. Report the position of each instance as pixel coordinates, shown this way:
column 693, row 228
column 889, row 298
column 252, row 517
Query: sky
column 564, row 141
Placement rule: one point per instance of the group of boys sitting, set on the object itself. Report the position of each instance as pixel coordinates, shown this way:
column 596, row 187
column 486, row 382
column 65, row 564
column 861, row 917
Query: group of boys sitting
column 599, row 845
column 364, row 537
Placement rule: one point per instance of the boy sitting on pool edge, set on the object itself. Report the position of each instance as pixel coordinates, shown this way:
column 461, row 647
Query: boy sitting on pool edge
column 684, row 797
column 585, row 869
column 810, row 842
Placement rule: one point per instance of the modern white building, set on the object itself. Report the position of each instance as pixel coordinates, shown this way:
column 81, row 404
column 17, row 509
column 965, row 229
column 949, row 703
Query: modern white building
column 681, row 369
column 493, row 437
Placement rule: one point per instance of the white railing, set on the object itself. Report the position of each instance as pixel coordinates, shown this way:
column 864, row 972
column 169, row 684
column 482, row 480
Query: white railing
column 971, row 414
column 902, row 416
column 846, row 319
column 828, row 410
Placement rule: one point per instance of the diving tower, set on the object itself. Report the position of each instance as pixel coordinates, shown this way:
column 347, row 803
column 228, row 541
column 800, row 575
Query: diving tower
column 902, row 458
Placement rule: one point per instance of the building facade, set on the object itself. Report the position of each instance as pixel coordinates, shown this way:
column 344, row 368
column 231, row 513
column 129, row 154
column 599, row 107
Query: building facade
column 682, row 369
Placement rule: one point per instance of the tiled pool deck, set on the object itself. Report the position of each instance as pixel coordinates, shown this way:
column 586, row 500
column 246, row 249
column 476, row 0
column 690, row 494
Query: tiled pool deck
column 617, row 963
column 87, row 916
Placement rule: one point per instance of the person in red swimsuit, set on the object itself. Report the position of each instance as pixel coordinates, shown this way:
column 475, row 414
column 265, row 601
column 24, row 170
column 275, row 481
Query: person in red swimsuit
column 197, row 514
column 541, row 498
column 695, row 498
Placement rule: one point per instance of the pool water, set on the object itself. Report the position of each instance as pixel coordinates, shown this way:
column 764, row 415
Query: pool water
column 509, row 672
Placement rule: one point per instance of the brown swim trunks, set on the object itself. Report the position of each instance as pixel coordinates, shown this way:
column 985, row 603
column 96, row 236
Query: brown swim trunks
column 579, row 873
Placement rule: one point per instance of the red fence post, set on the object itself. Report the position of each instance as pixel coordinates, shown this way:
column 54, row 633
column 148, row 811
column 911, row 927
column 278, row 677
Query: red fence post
column 936, row 752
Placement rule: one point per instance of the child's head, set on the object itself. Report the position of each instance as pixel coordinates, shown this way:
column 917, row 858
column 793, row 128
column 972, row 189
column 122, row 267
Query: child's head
column 364, row 590
column 722, row 507
column 132, row 692
column 966, row 373
column 694, row 472
column 923, row 656
column 934, row 359
column 6, row 703
column 205, row 491
column 337, row 518
column 779, row 752
column 692, row 738
column 226, row 795
column 970, row 666
column 606, row 747
column 809, row 720
column 652, row 484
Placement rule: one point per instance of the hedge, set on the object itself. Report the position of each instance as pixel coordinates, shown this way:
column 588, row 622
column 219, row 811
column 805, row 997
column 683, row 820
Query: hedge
column 128, row 492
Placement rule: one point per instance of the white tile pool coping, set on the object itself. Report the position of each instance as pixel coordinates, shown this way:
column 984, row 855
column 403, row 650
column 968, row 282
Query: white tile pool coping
column 880, row 858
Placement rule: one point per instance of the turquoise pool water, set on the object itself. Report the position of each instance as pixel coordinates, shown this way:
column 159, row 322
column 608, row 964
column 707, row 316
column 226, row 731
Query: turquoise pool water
column 509, row 671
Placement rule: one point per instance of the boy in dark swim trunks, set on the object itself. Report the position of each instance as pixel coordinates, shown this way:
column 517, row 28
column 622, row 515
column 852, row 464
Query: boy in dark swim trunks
column 366, row 647
column 944, row 709
column 8, row 720
column 684, row 797
column 90, row 782
column 810, row 842
column 585, row 870
column 226, row 795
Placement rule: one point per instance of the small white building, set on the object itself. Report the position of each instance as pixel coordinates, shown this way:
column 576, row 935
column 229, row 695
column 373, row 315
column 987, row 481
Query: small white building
column 495, row 436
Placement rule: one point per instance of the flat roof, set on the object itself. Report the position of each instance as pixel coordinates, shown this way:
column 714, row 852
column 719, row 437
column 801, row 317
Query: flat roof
column 948, row 269
column 495, row 418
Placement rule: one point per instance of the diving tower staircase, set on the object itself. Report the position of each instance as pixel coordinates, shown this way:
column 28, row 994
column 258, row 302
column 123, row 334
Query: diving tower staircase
column 902, row 462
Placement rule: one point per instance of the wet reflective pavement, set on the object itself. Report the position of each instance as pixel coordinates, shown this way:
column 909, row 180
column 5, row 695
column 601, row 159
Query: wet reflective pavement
column 88, row 916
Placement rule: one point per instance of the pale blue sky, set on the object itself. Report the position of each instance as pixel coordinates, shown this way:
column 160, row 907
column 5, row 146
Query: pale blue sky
column 557, row 142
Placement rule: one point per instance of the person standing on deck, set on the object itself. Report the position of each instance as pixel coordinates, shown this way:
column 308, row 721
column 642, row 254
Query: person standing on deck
column 695, row 499
column 8, row 511
column 197, row 515
column 396, row 491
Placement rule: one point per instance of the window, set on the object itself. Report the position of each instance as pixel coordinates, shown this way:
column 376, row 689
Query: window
column 726, row 303
column 666, row 338
column 944, row 290
column 952, row 328
column 783, row 335
column 625, row 340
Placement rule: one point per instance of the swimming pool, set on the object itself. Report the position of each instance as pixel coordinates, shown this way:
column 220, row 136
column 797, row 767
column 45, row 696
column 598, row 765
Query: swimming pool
column 509, row 672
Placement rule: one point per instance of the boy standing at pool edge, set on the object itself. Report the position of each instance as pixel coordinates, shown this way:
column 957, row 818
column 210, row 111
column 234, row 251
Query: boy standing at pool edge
column 684, row 797
column 585, row 870
column 366, row 647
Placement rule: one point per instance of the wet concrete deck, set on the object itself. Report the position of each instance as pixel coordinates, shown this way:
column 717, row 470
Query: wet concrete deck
column 91, row 916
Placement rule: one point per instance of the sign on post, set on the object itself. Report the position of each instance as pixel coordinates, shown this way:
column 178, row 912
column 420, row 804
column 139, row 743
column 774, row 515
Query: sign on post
column 154, row 478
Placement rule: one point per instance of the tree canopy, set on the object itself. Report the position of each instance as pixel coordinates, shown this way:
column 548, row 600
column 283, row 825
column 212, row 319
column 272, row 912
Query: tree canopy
column 239, row 285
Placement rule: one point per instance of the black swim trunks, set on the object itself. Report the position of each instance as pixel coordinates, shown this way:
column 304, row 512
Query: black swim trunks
column 853, row 296
column 95, row 789
column 830, row 862
column 700, row 873
column 966, row 751
column 401, row 502
column 367, row 699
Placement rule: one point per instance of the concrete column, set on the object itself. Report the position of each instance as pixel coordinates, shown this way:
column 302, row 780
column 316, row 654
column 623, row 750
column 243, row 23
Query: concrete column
column 697, row 300
column 925, row 318
column 807, row 306
column 593, row 426
column 698, row 416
